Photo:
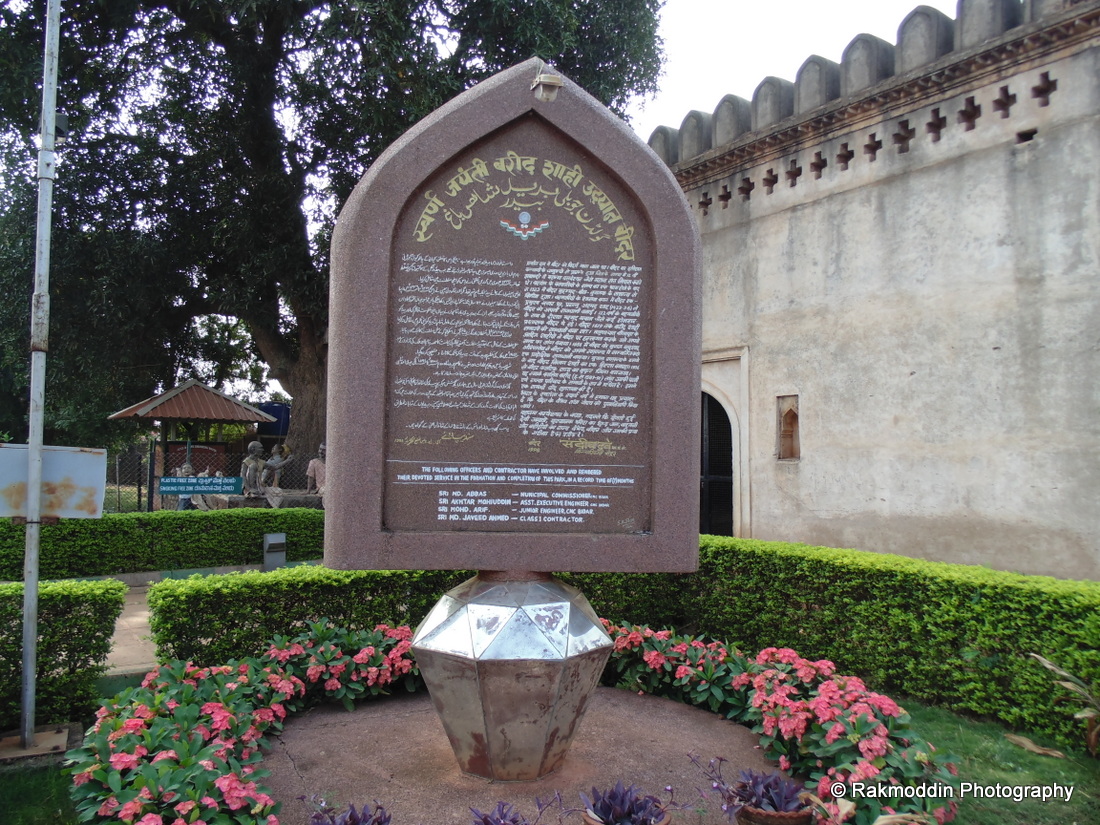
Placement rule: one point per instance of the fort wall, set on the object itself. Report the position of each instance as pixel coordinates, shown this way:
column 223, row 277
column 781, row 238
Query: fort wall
column 905, row 246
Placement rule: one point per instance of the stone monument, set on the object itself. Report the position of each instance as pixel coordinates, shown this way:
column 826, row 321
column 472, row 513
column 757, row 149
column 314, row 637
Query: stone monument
column 514, row 388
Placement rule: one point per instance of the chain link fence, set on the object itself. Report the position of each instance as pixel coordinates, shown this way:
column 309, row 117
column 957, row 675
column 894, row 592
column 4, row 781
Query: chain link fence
column 128, row 476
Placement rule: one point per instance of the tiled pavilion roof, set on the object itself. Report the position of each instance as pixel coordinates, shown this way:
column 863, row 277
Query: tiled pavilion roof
column 192, row 401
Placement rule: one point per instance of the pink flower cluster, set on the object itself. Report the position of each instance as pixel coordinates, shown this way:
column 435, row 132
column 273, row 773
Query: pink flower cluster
column 793, row 695
column 343, row 674
column 233, row 706
column 242, row 701
column 239, row 793
column 686, row 659
column 814, row 721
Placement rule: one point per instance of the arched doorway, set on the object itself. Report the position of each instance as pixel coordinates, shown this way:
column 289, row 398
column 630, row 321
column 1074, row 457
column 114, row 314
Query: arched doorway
column 716, row 470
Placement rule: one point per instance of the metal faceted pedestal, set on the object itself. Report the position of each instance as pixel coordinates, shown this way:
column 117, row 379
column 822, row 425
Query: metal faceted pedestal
column 510, row 659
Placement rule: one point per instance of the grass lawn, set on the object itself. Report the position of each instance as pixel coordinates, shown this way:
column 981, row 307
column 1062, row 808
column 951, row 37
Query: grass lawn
column 124, row 498
column 987, row 758
column 40, row 796
column 35, row 796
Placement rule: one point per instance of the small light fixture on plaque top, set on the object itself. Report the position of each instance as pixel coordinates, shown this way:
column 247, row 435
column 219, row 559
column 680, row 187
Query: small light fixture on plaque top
column 546, row 85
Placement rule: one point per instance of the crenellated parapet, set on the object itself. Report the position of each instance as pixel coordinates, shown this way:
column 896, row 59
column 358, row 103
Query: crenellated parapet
column 933, row 53
column 900, row 289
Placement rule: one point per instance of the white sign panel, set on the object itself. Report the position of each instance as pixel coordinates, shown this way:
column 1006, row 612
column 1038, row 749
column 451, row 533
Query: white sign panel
column 73, row 481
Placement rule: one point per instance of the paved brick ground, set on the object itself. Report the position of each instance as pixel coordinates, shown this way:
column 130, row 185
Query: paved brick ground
column 132, row 648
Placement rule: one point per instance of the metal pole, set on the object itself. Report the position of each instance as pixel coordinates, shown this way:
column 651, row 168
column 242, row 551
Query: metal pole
column 40, row 332
column 152, row 480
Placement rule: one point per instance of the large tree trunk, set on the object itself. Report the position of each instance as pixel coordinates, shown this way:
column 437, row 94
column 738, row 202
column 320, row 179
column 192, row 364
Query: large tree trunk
column 304, row 377
column 307, row 415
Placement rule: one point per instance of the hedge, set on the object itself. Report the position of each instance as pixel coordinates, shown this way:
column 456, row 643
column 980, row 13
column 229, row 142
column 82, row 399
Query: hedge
column 75, row 623
column 164, row 540
column 952, row 635
column 209, row 620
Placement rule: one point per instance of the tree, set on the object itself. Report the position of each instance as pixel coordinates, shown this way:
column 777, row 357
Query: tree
column 216, row 140
column 114, row 329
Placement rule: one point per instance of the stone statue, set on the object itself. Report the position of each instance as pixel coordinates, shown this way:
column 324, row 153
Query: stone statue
column 254, row 468
column 185, row 503
column 315, row 473
column 273, row 467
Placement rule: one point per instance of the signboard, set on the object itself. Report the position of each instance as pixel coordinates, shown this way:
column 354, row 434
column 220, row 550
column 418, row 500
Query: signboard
column 189, row 486
column 74, row 480
column 531, row 293
column 520, row 347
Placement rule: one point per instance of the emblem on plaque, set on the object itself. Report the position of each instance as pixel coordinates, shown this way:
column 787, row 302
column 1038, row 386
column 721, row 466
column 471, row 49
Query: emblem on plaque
column 525, row 229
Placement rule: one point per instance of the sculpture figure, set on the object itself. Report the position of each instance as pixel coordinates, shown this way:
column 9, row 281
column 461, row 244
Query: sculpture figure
column 252, row 470
column 273, row 467
column 315, row 473
column 255, row 468
column 185, row 503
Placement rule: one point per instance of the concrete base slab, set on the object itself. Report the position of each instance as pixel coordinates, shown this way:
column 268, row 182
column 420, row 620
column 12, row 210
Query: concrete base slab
column 50, row 744
column 395, row 750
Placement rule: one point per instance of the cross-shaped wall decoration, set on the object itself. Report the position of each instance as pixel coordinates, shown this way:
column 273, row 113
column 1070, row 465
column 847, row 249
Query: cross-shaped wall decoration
column 969, row 114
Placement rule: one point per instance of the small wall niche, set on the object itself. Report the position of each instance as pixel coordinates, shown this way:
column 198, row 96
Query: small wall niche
column 788, row 448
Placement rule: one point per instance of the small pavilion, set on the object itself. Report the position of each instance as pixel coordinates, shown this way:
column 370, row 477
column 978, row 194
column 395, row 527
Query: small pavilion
column 192, row 403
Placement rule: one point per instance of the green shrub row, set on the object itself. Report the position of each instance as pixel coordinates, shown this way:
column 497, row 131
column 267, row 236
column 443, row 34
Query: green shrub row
column 75, row 623
column 164, row 540
column 952, row 635
column 209, row 620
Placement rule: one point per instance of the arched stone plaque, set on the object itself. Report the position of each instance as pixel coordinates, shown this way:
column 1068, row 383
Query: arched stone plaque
column 514, row 345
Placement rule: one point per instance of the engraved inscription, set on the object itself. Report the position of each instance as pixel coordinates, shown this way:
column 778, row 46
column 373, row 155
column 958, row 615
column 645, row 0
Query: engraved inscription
column 517, row 383
column 495, row 357
column 581, row 351
column 523, row 182
column 458, row 332
column 563, row 498
column 526, row 507
column 467, row 330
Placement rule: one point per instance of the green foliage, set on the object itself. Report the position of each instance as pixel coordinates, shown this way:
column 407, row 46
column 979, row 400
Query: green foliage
column 75, row 623
column 105, row 352
column 186, row 735
column 819, row 725
column 213, row 618
column 947, row 634
column 36, row 796
column 583, row 38
column 164, row 540
column 212, row 145
column 622, row 596
column 335, row 663
column 209, row 619
column 1080, row 693
column 953, row 635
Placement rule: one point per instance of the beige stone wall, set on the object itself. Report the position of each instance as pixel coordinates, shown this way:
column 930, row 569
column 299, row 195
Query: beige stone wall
column 935, row 306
